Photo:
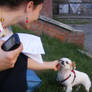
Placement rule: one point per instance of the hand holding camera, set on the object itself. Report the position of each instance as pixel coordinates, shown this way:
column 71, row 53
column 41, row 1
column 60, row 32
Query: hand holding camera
column 12, row 43
column 10, row 52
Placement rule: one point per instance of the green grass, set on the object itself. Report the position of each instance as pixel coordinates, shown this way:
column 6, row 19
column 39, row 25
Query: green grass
column 55, row 49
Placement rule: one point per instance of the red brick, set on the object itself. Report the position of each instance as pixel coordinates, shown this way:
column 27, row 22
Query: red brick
column 55, row 31
column 47, row 8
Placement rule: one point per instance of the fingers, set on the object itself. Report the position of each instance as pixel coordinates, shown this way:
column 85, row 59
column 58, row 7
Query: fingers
column 9, row 58
column 1, row 43
column 13, row 55
column 57, row 65
column 17, row 51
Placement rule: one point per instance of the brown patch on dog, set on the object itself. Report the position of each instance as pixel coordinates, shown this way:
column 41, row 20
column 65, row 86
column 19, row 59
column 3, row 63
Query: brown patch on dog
column 73, row 65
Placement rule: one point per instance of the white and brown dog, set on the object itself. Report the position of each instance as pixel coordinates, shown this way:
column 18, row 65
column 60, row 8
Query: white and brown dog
column 69, row 77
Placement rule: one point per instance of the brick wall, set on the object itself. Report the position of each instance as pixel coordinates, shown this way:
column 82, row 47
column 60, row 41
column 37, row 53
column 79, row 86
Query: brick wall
column 58, row 32
column 47, row 8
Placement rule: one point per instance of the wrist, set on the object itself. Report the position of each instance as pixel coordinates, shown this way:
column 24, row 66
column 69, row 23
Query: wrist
column 48, row 65
column 52, row 65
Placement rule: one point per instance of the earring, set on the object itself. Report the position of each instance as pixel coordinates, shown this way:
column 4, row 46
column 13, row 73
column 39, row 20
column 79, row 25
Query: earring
column 2, row 19
column 27, row 20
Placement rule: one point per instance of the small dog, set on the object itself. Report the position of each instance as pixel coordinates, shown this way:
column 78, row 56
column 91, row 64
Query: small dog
column 69, row 77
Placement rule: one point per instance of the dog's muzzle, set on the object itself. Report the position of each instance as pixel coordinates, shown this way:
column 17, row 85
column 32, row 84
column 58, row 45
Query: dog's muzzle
column 61, row 61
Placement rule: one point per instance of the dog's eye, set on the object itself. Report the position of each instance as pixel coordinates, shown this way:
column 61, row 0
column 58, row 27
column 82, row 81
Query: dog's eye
column 67, row 63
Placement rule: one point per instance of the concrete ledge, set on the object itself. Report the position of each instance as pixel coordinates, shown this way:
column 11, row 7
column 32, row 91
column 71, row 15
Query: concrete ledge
column 59, row 24
column 85, row 53
column 73, row 17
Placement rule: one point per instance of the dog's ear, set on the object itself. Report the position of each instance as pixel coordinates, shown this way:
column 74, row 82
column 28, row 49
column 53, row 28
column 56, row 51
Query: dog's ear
column 73, row 65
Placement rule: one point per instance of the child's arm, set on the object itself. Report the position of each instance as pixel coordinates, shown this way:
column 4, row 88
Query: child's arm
column 32, row 64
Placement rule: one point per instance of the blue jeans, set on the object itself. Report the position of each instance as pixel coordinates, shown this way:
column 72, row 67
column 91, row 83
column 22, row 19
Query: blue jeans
column 33, row 81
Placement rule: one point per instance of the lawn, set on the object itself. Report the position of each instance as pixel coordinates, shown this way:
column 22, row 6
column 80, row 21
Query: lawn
column 55, row 49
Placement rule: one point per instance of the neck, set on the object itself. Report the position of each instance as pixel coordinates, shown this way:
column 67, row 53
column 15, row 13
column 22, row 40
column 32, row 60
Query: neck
column 10, row 17
column 65, row 70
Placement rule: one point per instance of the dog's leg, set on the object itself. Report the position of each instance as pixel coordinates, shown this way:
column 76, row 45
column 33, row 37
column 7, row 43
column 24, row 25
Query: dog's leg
column 69, row 89
column 64, row 88
column 87, row 89
column 77, row 89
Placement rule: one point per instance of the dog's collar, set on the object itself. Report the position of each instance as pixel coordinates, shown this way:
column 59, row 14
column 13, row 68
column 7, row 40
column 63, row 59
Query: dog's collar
column 74, row 75
column 65, row 79
column 68, row 77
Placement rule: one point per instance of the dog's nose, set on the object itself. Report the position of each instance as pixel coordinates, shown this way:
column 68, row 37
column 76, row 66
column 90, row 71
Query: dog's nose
column 62, row 62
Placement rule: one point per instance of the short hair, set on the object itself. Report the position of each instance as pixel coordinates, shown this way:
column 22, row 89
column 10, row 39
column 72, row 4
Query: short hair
column 15, row 3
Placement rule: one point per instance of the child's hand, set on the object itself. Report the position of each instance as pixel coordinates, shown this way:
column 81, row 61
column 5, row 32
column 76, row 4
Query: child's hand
column 56, row 65
column 9, row 58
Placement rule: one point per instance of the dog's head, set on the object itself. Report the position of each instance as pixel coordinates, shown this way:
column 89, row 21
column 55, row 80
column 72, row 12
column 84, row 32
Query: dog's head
column 67, row 64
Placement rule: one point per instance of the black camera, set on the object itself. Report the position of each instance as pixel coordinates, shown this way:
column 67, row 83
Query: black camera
column 12, row 43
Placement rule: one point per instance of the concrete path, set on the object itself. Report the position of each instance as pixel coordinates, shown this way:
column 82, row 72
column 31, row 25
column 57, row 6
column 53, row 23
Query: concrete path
column 87, row 28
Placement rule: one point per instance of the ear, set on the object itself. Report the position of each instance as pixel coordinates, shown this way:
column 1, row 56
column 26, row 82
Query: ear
column 29, row 6
column 73, row 65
